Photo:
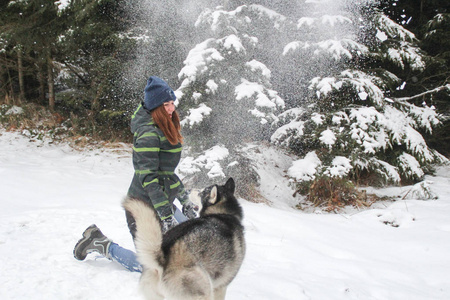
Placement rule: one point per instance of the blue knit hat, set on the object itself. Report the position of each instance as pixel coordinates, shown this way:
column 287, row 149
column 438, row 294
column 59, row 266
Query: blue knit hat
column 157, row 92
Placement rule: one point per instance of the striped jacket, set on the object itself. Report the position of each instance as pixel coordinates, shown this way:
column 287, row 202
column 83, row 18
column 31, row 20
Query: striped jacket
column 154, row 161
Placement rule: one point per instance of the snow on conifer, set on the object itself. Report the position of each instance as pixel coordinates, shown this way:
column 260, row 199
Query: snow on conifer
column 337, row 112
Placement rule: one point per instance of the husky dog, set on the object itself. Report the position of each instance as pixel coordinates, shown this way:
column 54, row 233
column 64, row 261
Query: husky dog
column 196, row 259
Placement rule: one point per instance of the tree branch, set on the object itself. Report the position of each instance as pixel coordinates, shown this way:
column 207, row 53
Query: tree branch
column 74, row 72
column 436, row 90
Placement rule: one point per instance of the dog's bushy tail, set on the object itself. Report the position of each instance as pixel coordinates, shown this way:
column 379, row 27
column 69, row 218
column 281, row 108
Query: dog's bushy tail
column 148, row 237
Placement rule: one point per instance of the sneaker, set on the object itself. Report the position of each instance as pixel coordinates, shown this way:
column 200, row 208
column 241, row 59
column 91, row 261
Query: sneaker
column 93, row 240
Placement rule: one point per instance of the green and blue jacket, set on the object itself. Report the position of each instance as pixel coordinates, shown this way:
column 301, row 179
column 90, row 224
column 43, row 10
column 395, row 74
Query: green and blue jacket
column 154, row 161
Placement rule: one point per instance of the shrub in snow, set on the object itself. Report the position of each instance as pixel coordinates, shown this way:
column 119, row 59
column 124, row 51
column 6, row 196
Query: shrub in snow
column 332, row 193
column 326, row 186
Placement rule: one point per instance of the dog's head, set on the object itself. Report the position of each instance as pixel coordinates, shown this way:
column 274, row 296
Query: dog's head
column 217, row 199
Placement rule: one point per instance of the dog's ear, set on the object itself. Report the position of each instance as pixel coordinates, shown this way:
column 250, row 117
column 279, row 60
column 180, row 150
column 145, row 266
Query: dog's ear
column 213, row 195
column 229, row 186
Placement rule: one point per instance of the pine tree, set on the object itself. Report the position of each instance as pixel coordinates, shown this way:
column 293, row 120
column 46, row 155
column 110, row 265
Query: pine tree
column 226, row 91
column 356, row 126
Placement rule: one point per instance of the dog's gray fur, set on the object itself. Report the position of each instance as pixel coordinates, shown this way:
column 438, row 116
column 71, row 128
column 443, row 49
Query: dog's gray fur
column 196, row 259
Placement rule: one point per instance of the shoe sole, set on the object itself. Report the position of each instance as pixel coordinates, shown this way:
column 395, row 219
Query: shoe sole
column 86, row 236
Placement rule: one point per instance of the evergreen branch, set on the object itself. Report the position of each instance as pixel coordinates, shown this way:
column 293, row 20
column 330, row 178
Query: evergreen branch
column 433, row 91
column 74, row 71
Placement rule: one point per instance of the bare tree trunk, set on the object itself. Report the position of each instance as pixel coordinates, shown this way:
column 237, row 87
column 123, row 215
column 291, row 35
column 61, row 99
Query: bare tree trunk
column 96, row 100
column 20, row 71
column 96, row 105
column 2, row 86
column 51, row 86
column 9, row 98
column 41, row 79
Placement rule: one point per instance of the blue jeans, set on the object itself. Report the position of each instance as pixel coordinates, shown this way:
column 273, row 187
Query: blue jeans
column 127, row 258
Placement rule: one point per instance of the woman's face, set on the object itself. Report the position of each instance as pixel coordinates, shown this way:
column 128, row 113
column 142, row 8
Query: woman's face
column 169, row 107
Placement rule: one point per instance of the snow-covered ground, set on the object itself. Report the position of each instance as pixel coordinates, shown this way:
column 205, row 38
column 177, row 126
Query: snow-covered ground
column 51, row 193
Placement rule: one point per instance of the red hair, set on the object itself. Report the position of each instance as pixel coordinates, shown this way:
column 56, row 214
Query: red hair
column 170, row 127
